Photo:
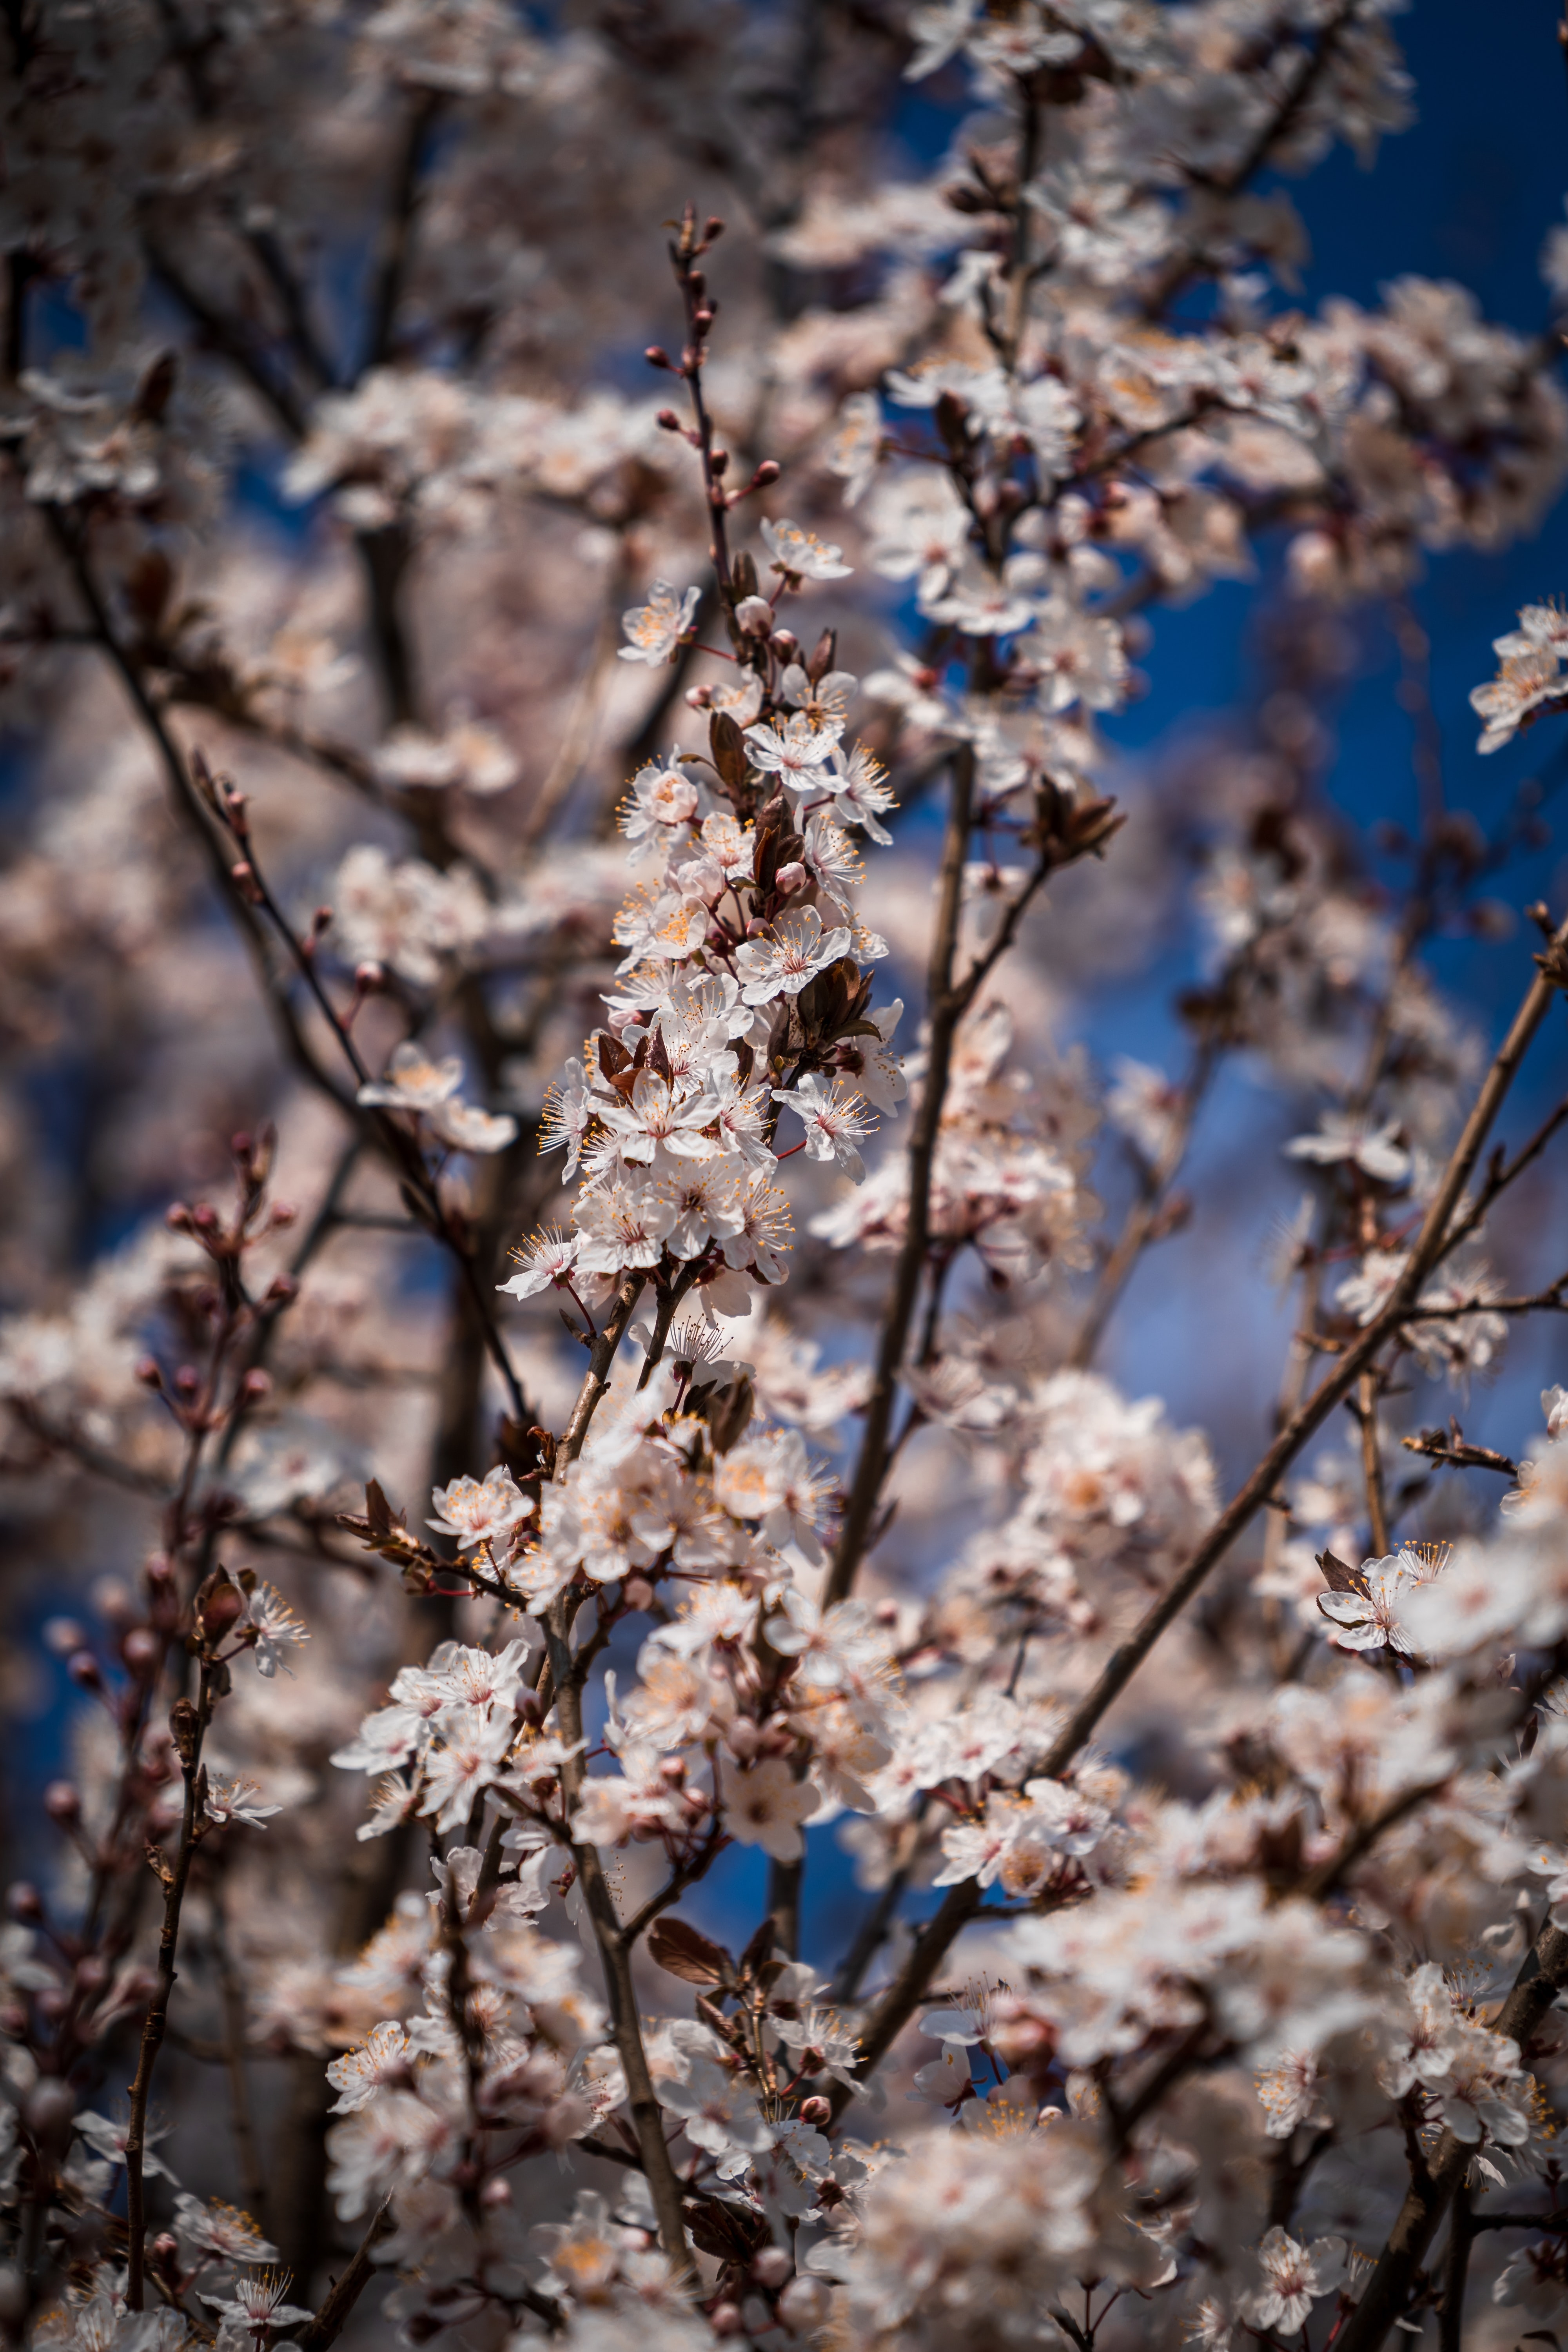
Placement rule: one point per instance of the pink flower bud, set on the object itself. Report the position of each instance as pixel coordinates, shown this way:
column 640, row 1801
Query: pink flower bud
column 63, row 1802
column 755, row 616
column 772, row 2267
column 140, row 1651
column 803, row 2304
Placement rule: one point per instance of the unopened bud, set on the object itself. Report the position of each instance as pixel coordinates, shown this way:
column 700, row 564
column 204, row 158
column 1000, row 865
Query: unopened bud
column 61, row 1635
column 657, row 357
column 148, row 1372
column 242, row 874
column 204, row 1218
column 321, row 922
column 284, row 1215
column 83, row 1668
column 712, row 230
column 92, row 1972
column 220, row 1605
column 767, row 472
column 50, row 2110
column 23, row 1900
column 755, row 616
column 187, row 1379
column 673, row 1769
column 725, row 2319
column 803, row 2304
column 140, row 1651
column 791, row 878
column 815, row 2111
column 698, row 698
column 785, row 643
column 668, row 418
column 281, row 1291
column 718, row 461
column 63, row 1802
column 177, row 1217
column 772, row 2267
column 496, row 2192
column 256, row 1384
column 696, row 1801
column 160, row 1569
column 164, row 2252
column 368, row 977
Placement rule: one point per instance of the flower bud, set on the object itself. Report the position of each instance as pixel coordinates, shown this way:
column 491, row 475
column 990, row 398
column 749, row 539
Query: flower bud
column 755, row 616
column 83, row 1669
column 23, row 1900
column 725, row 2319
column 62, row 1635
column 785, row 643
column 63, row 1802
column 140, row 1651
column 772, row 2267
column 803, row 2304
column 149, row 1373
column 256, row 1384
column 790, row 878
column 49, row 2108
column 177, row 1217
column 368, row 978
column 497, row 2191
column 815, row 2111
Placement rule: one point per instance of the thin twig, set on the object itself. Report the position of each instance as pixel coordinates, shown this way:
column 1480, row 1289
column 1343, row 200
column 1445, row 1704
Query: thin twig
column 962, row 1902
column 1386, row 2293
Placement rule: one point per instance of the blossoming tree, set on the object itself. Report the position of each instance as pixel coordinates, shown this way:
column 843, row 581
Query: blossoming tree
column 623, row 1406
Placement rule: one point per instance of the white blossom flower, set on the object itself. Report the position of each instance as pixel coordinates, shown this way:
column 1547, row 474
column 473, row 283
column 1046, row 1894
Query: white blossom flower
column 481, row 1511
column 834, row 1117
column 656, row 629
column 800, row 552
column 238, row 1800
column 765, row 1804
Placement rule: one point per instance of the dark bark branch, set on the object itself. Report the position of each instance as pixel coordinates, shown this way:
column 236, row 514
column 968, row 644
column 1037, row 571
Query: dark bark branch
column 1387, row 2292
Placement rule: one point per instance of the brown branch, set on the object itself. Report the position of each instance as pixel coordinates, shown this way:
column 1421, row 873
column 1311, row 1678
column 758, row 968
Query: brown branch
column 344, row 2292
column 1387, row 2292
column 1143, row 1217
column 596, row 1379
column 946, row 1006
column 191, row 1721
column 616, row 1951
column 396, row 242
column 962, row 1902
column 1371, row 1462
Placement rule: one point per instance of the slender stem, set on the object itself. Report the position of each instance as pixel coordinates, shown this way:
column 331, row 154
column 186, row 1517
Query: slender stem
column 962, row 1902
column 596, row 1379
column 333, row 2315
column 648, row 2116
column 193, row 1721
column 1371, row 1462
column 1387, row 2293
column 946, row 1010
column 1461, row 2232
column 1145, row 1213
column 252, row 2180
